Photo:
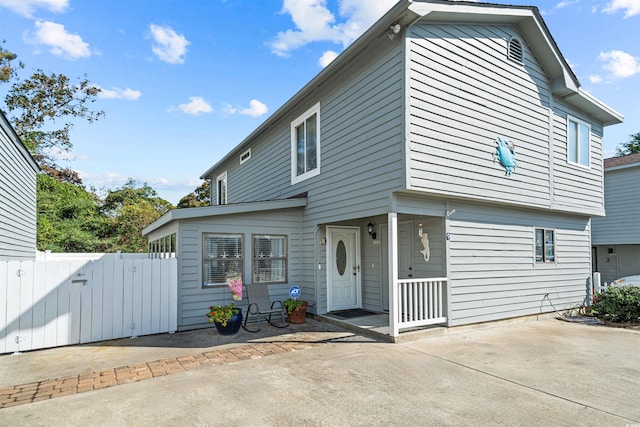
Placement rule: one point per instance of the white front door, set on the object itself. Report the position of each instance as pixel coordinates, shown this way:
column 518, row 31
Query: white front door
column 343, row 272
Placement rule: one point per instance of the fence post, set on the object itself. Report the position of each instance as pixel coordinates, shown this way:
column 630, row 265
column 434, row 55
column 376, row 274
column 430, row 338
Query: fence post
column 597, row 284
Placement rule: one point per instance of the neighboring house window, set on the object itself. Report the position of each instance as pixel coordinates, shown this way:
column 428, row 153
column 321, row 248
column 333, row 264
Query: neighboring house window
column 245, row 156
column 515, row 50
column 545, row 245
column 221, row 257
column 305, row 145
column 269, row 259
column 578, row 147
column 221, row 185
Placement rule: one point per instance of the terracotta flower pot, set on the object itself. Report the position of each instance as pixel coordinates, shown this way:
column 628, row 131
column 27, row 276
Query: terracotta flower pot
column 299, row 315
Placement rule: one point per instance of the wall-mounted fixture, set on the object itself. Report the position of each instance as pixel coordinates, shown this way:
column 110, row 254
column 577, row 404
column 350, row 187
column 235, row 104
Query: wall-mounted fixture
column 451, row 212
column 370, row 231
column 424, row 239
column 393, row 30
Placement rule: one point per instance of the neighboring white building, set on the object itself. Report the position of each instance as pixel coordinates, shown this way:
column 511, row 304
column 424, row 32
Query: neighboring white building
column 17, row 196
column 616, row 237
column 376, row 185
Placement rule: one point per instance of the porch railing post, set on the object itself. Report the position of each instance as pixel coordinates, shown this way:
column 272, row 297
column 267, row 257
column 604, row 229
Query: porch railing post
column 393, row 273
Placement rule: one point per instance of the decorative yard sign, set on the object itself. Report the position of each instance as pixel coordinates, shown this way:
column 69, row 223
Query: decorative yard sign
column 506, row 153
column 294, row 292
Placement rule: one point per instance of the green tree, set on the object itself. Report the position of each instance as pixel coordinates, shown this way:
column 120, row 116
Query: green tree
column 7, row 69
column 130, row 209
column 630, row 147
column 37, row 105
column 68, row 219
column 201, row 196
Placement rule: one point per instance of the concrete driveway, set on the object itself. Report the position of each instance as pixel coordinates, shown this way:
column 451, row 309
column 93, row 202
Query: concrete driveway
column 546, row 373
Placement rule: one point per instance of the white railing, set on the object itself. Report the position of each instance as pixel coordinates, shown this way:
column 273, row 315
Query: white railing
column 421, row 302
column 62, row 302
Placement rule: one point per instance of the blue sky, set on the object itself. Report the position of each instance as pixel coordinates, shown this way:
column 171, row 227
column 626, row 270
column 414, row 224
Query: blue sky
column 185, row 81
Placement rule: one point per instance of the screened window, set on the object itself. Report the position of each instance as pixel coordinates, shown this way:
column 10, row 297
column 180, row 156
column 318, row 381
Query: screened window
column 222, row 257
column 545, row 245
column 578, row 141
column 269, row 259
column 221, row 185
column 305, row 145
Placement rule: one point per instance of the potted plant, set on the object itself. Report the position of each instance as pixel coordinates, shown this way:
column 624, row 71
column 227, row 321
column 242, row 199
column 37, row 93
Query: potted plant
column 296, row 310
column 226, row 318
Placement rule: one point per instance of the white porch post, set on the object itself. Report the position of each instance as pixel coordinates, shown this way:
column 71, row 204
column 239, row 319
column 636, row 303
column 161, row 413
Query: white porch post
column 393, row 273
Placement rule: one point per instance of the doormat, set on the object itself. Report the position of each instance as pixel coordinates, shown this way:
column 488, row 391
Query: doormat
column 350, row 314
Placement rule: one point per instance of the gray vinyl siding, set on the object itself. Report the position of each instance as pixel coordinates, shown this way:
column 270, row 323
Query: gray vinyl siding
column 464, row 93
column 193, row 298
column 361, row 134
column 493, row 273
column 17, row 197
column 576, row 187
column 621, row 225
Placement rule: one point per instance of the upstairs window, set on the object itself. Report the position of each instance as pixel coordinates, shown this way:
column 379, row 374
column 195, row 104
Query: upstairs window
column 578, row 147
column 515, row 51
column 545, row 245
column 305, row 145
column 221, row 186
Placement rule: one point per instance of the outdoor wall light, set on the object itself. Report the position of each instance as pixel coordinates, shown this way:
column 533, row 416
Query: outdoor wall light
column 371, row 232
column 393, row 30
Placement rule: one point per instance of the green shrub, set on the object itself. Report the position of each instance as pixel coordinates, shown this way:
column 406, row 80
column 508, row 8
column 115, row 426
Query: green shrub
column 618, row 304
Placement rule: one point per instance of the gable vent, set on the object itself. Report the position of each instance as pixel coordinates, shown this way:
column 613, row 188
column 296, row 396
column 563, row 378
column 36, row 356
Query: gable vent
column 245, row 156
column 515, row 50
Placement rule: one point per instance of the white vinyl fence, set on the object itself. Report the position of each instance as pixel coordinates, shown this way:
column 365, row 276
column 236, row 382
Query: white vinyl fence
column 61, row 302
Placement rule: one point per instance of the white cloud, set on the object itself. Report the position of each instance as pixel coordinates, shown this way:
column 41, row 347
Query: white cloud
column 327, row 58
column 60, row 42
column 112, row 180
column 315, row 22
column 168, row 45
column 595, row 78
column 196, row 105
column 630, row 7
column 619, row 64
column 117, row 93
column 27, row 7
column 255, row 109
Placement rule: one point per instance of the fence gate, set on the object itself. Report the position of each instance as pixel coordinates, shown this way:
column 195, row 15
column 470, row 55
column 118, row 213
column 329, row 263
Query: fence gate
column 55, row 303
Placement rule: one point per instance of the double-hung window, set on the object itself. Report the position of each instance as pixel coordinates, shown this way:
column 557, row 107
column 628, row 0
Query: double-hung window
column 222, row 257
column 221, row 188
column 305, row 145
column 578, row 147
column 545, row 245
column 269, row 259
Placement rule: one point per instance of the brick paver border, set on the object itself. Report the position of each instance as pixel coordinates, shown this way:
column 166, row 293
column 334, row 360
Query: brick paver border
column 64, row 386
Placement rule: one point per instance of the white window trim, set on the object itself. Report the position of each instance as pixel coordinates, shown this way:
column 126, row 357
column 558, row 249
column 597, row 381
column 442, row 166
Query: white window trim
column 588, row 125
column 295, row 178
column 245, row 156
column 222, row 177
column 555, row 247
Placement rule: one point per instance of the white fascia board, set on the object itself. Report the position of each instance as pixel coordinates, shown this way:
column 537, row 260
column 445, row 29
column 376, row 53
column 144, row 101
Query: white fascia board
column 218, row 210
